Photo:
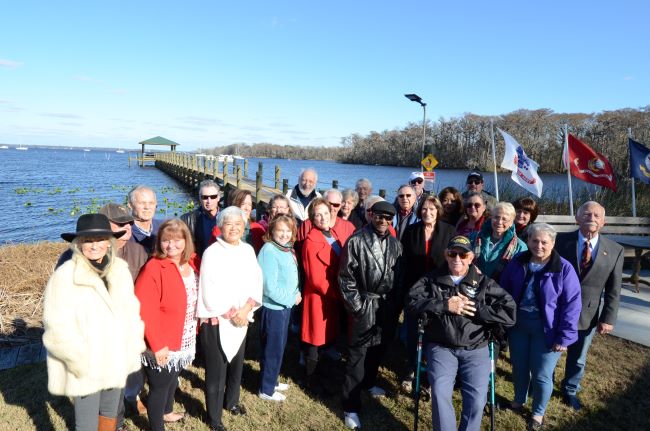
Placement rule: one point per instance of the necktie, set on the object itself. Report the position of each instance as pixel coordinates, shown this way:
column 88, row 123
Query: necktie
column 585, row 259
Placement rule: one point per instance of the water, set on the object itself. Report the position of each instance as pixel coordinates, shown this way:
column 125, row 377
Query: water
column 45, row 190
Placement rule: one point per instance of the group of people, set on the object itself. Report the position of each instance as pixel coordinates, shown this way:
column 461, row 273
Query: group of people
column 136, row 299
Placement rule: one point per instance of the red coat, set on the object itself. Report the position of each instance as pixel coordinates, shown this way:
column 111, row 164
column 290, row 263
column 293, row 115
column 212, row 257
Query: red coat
column 163, row 302
column 342, row 228
column 321, row 296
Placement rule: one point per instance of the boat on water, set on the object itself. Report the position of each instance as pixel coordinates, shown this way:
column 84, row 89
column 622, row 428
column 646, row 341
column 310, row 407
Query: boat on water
column 225, row 158
column 119, row 151
column 86, row 149
column 22, row 148
column 4, row 147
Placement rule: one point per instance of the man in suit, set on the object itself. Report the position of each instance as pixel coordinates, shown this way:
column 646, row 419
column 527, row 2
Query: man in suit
column 599, row 264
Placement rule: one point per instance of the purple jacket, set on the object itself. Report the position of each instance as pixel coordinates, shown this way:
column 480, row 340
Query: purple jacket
column 558, row 295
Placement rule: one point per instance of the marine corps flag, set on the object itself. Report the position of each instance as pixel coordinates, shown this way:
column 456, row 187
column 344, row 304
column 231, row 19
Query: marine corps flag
column 639, row 161
column 588, row 165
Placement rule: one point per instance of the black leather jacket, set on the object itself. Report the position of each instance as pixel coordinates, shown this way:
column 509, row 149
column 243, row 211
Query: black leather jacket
column 370, row 283
column 194, row 222
column 494, row 307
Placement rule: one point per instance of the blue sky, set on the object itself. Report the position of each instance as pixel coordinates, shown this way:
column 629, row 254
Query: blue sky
column 206, row 73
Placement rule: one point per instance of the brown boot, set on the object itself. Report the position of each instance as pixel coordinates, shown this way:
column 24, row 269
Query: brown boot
column 107, row 424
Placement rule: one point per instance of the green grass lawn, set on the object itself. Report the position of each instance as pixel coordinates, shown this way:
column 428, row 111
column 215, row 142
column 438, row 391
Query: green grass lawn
column 616, row 396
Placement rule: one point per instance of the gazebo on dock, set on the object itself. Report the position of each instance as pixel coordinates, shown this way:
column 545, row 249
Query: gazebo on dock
column 158, row 140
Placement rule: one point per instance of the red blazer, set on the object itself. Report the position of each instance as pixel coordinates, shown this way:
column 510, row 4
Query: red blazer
column 321, row 296
column 257, row 232
column 163, row 302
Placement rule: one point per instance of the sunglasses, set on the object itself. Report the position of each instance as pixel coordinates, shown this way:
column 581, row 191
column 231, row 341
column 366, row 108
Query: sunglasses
column 386, row 217
column 335, row 205
column 124, row 224
column 475, row 205
column 408, row 195
column 462, row 255
column 417, row 181
column 475, row 182
column 206, row 197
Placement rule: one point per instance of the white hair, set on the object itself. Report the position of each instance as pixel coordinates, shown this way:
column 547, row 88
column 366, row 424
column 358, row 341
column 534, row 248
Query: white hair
column 230, row 213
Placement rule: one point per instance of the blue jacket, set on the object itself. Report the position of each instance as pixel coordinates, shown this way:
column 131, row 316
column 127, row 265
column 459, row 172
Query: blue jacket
column 491, row 263
column 558, row 295
column 280, row 273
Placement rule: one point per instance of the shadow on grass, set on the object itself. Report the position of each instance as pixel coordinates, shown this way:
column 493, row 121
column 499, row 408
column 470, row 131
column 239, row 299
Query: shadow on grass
column 26, row 387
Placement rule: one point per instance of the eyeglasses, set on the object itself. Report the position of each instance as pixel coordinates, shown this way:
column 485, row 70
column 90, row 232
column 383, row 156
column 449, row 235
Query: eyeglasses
column 380, row 216
column 335, row 205
column 206, row 197
column 474, row 182
column 462, row 255
column 417, row 181
column 475, row 205
column 407, row 195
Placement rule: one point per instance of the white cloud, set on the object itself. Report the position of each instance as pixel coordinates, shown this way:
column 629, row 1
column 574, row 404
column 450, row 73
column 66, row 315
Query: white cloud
column 9, row 64
column 628, row 78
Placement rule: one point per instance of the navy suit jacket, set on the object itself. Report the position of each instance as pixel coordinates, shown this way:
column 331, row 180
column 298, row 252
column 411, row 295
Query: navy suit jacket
column 605, row 276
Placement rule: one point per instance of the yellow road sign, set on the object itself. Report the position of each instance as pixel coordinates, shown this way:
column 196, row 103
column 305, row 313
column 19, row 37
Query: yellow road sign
column 429, row 162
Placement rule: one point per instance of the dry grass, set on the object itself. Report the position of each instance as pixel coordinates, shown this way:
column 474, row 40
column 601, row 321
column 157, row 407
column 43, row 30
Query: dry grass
column 616, row 393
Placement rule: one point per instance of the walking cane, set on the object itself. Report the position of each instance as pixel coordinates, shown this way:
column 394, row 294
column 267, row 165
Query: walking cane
column 422, row 322
column 492, row 381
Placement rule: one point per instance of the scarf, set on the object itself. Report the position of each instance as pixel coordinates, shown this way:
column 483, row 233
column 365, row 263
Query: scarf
column 481, row 244
column 288, row 248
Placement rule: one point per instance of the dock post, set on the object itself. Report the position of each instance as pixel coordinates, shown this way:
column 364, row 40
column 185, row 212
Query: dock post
column 277, row 177
column 238, row 176
column 246, row 168
column 225, row 174
column 335, row 184
column 258, row 186
column 285, row 186
column 382, row 193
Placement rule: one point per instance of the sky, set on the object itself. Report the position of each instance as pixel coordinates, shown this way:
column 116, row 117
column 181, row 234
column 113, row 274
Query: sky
column 210, row 73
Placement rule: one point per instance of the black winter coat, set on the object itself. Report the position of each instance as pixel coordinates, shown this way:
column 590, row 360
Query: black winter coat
column 494, row 306
column 370, row 284
column 194, row 222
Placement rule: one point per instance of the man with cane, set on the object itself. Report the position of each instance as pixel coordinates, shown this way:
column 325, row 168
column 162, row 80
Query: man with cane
column 461, row 305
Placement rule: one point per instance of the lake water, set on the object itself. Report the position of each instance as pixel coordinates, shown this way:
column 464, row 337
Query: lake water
column 43, row 191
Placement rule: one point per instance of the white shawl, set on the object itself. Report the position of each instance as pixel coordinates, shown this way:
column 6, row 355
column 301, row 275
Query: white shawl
column 229, row 276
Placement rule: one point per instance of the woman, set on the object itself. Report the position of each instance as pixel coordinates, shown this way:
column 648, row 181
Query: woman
column 348, row 204
column 93, row 332
column 461, row 305
column 253, row 231
column 167, row 288
column 474, row 216
column 527, row 211
column 452, row 203
column 547, row 292
column 322, row 302
column 230, row 289
column 280, row 273
column 497, row 243
column 423, row 246
column 278, row 205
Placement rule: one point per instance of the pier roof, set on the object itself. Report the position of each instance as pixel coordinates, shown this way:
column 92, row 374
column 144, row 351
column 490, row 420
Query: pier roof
column 159, row 140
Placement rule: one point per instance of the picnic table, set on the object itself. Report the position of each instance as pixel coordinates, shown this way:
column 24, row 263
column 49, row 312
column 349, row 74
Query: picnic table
column 639, row 244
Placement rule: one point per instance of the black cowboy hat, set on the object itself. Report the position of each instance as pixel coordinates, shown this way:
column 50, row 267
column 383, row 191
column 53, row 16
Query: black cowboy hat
column 92, row 225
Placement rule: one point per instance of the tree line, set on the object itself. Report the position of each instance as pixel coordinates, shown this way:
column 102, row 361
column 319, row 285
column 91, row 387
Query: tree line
column 464, row 142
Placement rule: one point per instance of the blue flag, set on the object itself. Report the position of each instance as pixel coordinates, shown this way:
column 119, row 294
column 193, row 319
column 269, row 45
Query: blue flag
column 639, row 161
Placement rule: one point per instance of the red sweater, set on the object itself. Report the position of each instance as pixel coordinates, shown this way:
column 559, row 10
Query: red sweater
column 163, row 302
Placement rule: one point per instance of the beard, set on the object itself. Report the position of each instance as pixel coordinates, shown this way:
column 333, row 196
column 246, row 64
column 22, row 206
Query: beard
column 305, row 192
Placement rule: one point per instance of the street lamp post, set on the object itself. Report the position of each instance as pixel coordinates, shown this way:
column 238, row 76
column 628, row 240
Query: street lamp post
column 418, row 99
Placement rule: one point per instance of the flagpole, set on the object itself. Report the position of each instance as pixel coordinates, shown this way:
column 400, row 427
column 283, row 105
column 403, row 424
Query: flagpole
column 568, row 167
column 494, row 158
column 629, row 136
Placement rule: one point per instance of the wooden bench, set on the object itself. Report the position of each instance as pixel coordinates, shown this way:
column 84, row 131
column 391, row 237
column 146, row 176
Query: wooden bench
column 630, row 232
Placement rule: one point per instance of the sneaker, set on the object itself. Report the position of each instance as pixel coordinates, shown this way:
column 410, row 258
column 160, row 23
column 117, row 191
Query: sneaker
column 282, row 387
column 277, row 396
column 376, row 391
column 352, row 420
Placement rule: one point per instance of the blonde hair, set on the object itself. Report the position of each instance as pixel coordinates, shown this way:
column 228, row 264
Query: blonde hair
column 111, row 254
column 172, row 227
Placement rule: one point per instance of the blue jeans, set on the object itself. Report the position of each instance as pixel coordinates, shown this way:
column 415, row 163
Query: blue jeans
column 532, row 361
column 576, row 359
column 88, row 408
column 274, row 327
column 473, row 366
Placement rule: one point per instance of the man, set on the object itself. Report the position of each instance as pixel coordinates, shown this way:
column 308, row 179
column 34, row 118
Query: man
column 598, row 262
column 475, row 183
column 202, row 220
column 406, row 209
column 370, row 283
column 142, row 201
column 461, row 306
column 416, row 180
column 363, row 188
column 303, row 193
column 342, row 228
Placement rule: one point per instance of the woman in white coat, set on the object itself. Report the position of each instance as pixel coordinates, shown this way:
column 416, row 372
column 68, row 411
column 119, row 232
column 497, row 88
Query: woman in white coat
column 93, row 332
column 230, row 289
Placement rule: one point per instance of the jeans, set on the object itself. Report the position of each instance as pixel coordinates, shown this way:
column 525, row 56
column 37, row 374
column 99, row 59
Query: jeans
column 88, row 408
column 576, row 359
column 274, row 327
column 162, row 387
column 473, row 367
column 532, row 361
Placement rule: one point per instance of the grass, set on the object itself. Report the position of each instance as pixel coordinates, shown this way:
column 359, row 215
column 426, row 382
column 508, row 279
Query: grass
column 616, row 393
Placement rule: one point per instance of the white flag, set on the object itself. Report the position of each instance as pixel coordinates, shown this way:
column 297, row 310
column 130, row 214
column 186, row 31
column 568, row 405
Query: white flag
column 524, row 170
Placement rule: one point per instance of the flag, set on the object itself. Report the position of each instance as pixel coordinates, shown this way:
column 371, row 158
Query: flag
column 590, row 166
column 524, row 170
column 639, row 161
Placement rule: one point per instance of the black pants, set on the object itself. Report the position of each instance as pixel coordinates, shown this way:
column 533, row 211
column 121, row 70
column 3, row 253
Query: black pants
column 361, row 373
column 162, row 385
column 222, row 379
